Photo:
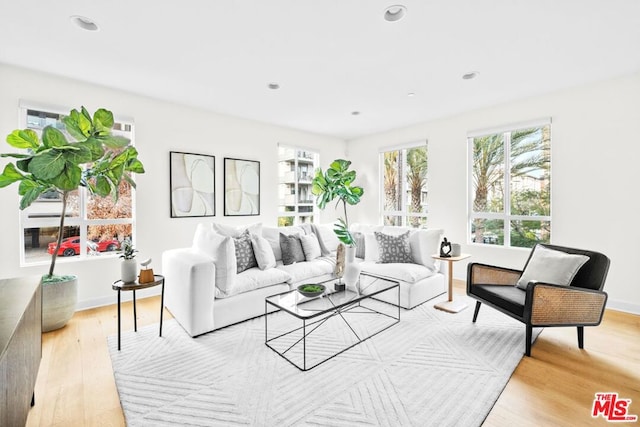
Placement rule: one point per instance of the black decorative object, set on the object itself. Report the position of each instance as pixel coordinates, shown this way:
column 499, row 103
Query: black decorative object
column 445, row 248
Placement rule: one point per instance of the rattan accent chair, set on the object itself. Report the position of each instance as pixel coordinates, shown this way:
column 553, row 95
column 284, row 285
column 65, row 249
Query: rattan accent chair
column 542, row 304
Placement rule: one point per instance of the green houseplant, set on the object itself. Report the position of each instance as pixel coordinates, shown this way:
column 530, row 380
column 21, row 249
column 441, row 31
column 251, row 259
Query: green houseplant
column 337, row 182
column 128, row 268
column 96, row 160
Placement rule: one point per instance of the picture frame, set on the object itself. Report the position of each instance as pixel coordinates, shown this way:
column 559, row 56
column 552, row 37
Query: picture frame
column 192, row 184
column 241, row 187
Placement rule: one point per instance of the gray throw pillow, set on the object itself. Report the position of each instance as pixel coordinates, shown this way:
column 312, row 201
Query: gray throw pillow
column 291, row 248
column 393, row 248
column 245, row 257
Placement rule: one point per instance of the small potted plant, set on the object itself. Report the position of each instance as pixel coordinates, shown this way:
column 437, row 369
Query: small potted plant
column 129, row 267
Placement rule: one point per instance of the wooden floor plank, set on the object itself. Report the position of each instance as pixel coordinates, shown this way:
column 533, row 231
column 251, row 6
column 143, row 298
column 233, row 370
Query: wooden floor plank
column 555, row 386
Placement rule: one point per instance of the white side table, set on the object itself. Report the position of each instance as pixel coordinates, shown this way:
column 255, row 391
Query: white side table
column 450, row 305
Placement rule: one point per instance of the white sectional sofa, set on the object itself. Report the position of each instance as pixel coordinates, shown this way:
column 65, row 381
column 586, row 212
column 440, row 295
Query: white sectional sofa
column 204, row 291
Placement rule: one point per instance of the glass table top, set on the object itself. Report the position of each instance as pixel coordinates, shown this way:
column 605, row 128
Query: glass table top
column 304, row 307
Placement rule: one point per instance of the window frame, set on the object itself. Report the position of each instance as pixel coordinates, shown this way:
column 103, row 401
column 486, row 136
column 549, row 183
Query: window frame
column 403, row 213
column 81, row 221
column 505, row 215
column 296, row 214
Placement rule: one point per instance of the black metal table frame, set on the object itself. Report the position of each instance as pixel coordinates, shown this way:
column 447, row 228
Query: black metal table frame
column 158, row 280
column 331, row 312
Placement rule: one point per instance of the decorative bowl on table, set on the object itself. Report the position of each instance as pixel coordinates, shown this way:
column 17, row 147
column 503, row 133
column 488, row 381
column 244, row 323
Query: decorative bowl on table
column 311, row 290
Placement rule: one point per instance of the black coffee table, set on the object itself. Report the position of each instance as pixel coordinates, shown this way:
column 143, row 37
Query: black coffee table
column 360, row 313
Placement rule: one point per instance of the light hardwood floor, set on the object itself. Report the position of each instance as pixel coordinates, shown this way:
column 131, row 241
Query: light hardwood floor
column 554, row 387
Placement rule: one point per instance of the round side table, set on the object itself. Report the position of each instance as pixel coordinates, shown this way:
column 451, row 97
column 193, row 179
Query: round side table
column 120, row 286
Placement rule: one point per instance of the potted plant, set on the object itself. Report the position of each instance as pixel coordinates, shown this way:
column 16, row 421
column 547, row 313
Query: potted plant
column 96, row 160
column 128, row 268
column 336, row 182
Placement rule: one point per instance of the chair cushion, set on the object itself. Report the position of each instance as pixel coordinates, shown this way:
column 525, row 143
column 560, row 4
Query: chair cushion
column 551, row 266
column 254, row 278
column 507, row 297
column 403, row 272
column 306, row 270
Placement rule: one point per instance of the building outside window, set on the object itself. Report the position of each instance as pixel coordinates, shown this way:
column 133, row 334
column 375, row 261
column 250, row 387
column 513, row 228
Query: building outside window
column 510, row 185
column 94, row 225
column 404, row 185
column 296, row 168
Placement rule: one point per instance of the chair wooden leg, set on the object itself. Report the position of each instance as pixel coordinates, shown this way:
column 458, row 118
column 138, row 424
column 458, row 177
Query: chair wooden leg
column 528, row 339
column 580, row 336
column 475, row 312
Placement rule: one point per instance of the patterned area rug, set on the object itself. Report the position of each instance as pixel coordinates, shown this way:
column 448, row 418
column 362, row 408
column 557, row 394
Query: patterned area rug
column 432, row 368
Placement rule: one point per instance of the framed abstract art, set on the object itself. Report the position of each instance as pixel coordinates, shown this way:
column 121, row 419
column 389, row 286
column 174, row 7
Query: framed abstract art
column 241, row 187
column 192, row 181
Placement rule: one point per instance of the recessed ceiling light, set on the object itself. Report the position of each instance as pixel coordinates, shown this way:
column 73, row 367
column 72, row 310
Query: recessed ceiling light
column 411, row 94
column 469, row 76
column 395, row 13
column 273, row 86
column 355, row 113
column 84, row 23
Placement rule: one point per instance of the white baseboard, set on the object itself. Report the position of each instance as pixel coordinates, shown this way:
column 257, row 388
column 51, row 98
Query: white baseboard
column 113, row 299
column 623, row 306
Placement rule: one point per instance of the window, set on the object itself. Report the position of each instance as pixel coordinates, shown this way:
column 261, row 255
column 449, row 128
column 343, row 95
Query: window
column 94, row 226
column 404, row 186
column 296, row 168
column 510, row 188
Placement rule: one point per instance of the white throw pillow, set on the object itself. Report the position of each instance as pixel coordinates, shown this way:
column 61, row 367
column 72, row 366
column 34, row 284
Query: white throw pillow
column 551, row 266
column 371, row 253
column 329, row 238
column 231, row 231
column 263, row 252
column 425, row 243
column 310, row 247
column 223, row 252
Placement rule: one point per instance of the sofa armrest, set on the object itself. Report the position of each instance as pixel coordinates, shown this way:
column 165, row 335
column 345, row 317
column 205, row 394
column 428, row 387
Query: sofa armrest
column 554, row 305
column 189, row 288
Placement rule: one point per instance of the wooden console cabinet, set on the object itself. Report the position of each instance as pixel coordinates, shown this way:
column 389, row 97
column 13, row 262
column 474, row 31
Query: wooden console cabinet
column 21, row 346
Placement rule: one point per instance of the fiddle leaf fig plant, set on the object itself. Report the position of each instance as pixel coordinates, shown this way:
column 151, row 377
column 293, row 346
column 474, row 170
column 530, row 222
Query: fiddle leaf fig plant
column 336, row 182
column 96, row 160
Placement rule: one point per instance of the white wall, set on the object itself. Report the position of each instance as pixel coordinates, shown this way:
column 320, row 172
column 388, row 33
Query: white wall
column 595, row 155
column 160, row 127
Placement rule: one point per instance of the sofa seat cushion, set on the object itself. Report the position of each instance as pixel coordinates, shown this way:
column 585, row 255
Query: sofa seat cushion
column 301, row 271
column 509, row 298
column 254, row 278
column 403, row 272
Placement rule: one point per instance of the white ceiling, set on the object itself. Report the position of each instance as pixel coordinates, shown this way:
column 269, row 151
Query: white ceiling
column 330, row 57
